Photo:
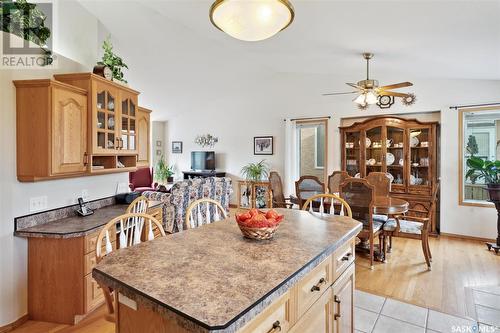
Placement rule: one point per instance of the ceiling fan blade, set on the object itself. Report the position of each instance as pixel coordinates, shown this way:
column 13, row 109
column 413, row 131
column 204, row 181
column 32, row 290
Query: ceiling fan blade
column 355, row 86
column 397, row 85
column 392, row 93
column 341, row 93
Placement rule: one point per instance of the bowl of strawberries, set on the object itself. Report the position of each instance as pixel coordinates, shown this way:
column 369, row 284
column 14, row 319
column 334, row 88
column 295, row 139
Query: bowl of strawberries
column 256, row 224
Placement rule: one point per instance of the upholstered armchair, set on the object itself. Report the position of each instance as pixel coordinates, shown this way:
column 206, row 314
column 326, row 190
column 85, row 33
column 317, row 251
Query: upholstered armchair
column 185, row 192
column 142, row 180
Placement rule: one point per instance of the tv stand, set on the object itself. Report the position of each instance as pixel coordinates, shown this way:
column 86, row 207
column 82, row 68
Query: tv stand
column 203, row 174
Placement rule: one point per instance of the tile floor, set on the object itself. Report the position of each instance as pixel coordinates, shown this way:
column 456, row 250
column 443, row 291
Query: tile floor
column 376, row 314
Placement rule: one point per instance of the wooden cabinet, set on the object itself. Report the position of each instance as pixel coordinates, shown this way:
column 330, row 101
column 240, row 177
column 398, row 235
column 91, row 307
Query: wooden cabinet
column 405, row 148
column 143, row 124
column 51, row 130
column 343, row 302
column 112, row 122
column 319, row 317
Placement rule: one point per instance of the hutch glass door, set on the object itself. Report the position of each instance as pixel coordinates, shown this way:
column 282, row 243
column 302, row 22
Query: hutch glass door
column 374, row 150
column 352, row 153
column 395, row 157
column 419, row 157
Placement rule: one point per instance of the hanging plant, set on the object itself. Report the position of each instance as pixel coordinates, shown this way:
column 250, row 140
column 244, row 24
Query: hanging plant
column 206, row 140
column 25, row 20
column 113, row 61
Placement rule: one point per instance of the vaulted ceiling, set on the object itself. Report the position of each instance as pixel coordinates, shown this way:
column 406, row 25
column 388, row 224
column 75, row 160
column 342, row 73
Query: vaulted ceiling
column 173, row 44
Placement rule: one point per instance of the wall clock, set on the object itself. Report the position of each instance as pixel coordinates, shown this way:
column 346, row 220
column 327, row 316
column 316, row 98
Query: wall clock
column 385, row 101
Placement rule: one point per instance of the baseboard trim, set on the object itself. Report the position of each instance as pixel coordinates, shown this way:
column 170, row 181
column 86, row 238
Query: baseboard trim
column 12, row 326
column 479, row 239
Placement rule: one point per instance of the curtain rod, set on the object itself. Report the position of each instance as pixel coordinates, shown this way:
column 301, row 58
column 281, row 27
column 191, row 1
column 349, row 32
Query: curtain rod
column 309, row 118
column 473, row 105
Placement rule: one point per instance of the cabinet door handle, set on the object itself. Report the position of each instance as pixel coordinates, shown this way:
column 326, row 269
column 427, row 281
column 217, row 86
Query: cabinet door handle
column 336, row 299
column 317, row 286
column 276, row 327
column 346, row 257
column 336, row 316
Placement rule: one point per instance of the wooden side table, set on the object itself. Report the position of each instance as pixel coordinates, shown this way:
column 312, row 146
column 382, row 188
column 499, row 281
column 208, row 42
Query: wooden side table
column 251, row 194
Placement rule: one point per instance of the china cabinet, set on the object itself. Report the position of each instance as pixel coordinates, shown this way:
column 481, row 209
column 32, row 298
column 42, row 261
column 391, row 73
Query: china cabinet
column 407, row 149
column 51, row 130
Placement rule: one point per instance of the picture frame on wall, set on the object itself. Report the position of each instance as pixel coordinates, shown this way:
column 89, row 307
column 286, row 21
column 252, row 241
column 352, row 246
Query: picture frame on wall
column 263, row 145
column 176, row 147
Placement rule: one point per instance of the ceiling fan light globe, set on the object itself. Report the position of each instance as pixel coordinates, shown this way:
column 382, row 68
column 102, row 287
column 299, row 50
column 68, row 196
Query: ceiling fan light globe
column 251, row 20
column 361, row 99
column 371, row 98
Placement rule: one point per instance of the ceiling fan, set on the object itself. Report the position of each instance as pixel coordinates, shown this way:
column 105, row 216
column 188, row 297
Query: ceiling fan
column 369, row 90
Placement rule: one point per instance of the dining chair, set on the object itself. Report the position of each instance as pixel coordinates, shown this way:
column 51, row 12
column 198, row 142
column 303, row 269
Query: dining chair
column 129, row 228
column 335, row 179
column 359, row 195
column 206, row 211
column 414, row 224
column 330, row 201
column 306, row 187
column 277, row 194
column 381, row 182
column 139, row 205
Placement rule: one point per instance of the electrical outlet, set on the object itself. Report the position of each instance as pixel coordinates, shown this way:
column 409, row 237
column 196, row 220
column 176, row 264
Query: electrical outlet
column 38, row 203
column 85, row 195
column 122, row 187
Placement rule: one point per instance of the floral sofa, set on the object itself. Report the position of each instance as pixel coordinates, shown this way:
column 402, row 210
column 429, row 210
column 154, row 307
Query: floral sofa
column 183, row 193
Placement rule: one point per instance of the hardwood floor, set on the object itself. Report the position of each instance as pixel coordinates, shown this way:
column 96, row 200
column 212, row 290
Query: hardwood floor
column 457, row 264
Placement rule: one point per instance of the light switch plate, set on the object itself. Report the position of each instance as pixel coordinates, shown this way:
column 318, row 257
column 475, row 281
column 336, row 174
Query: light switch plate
column 38, row 203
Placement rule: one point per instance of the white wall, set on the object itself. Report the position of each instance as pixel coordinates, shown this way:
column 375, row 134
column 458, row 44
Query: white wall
column 77, row 36
column 237, row 119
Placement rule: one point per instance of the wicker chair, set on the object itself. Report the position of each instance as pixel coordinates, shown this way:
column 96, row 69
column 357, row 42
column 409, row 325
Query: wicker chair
column 278, row 197
column 359, row 195
column 335, row 179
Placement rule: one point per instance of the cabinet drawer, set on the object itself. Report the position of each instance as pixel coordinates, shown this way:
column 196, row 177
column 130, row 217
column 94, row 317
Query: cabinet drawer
column 276, row 316
column 318, row 318
column 313, row 285
column 93, row 293
column 91, row 240
column 90, row 259
column 342, row 258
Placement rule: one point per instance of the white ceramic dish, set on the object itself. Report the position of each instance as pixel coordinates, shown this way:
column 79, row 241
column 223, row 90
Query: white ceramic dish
column 414, row 141
column 390, row 159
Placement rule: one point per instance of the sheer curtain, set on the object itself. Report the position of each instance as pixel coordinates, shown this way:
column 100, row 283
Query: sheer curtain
column 291, row 165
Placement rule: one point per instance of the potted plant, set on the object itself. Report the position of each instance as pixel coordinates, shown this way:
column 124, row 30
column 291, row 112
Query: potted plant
column 163, row 171
column 487, row 170
column 255, row 172
column 113, row 61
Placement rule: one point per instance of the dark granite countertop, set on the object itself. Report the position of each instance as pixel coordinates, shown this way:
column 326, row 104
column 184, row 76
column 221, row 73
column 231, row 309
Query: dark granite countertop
column 211, row 279
column 76, row 226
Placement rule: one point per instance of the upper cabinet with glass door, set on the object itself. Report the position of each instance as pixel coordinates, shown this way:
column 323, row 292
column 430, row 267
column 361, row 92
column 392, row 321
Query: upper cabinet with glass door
column 128, row 121
column 395, row 157
column 421, row 148
column 374, row 149
column 105, row 118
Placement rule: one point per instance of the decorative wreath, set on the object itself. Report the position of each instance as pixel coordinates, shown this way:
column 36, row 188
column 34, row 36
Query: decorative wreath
column 410, row 99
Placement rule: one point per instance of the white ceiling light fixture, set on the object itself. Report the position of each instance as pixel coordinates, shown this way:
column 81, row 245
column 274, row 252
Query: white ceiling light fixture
column 251, row 20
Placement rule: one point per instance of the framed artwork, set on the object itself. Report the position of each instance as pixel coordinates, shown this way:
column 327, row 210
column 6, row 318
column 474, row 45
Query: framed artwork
column 263, row 145
column 177, row 147
column 158, row 143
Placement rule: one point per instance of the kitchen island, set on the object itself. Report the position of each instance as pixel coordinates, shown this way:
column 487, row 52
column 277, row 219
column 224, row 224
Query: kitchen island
column 211, row 279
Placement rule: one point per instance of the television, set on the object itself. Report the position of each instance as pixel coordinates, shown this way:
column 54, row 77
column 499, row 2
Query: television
column 203, row 160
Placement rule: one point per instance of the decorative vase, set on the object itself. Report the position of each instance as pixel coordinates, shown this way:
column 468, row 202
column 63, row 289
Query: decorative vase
column 494, row 193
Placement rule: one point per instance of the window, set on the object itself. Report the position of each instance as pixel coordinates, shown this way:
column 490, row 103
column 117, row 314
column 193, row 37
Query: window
column 480, row 137
column 311, row 148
